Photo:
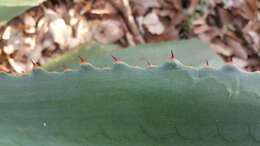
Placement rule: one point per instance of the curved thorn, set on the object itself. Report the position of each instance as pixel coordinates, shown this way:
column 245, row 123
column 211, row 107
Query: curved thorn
column 116, row 60
column 65, row 67
column 206, row 62
column 82, row 60
column 136, row 66
column 172, row 55
column 35, row 64
column 150, row 65
column 231, row 60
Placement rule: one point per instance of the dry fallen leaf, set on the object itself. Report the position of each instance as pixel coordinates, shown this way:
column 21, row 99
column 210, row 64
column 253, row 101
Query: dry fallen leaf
column 104, row 34
column 152, row 22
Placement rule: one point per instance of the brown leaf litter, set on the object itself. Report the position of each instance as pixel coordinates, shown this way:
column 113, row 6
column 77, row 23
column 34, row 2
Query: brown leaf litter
column 231, row 27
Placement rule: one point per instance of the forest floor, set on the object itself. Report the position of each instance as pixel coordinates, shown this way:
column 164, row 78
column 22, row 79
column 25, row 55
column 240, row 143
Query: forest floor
column 231, row 28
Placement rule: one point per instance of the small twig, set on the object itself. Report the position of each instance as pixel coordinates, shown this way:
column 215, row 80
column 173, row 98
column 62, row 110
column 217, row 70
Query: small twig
column 129, row 18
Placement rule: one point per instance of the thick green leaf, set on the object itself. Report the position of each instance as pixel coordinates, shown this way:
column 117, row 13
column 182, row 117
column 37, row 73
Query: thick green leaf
column 190, row 52
column 9, row 12
column 171, row 105
column 20, row 2
column 11, row 8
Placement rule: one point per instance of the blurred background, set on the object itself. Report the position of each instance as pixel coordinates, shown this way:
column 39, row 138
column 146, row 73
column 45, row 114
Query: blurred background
column 36, row 33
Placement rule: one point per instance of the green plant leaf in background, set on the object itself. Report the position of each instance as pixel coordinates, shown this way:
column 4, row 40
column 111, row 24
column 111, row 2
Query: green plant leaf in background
column 191, row 52
column 11, row 8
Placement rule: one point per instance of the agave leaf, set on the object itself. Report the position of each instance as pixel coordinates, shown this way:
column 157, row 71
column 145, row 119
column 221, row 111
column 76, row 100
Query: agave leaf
column 190, row 52
column 169, row 105
column 20, row 2
column 11, row 8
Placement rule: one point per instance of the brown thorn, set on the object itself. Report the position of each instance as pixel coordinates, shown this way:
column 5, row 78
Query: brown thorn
column 207, row 62
column 116, row 60
column 35, row 64
column 82, row 60
column 65, row 67
column 172, row 55
column 136, row 66
column 150, row 65
column 230, row 60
